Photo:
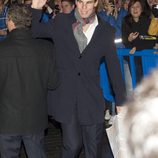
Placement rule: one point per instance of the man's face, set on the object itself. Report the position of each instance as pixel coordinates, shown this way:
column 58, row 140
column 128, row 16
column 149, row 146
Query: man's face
column 67, row 7
column 86, row 7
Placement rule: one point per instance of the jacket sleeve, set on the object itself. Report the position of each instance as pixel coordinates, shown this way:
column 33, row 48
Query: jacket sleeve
column 53, row 81
column 125, row 33
column 114, row 71
column 41, row 29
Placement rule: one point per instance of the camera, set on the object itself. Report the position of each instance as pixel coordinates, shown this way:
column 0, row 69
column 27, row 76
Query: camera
column 56, row 9
column 112, row 2
column 155, row 10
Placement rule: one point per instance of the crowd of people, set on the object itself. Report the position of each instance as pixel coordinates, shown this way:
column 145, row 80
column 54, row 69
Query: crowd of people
column 50, row 53
column 134, row 21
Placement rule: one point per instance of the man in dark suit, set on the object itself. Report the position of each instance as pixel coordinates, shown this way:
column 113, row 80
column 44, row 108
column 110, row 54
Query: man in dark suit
column 81, row 40
column 27, row 69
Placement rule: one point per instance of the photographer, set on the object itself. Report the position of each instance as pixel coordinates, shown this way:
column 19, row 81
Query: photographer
column 50, row 10
column 109, row 12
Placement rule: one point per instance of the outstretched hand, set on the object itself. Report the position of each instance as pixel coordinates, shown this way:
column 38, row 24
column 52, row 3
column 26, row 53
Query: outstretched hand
column 38, row 4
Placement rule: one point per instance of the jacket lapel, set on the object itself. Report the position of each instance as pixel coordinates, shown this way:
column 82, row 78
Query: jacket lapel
column 95, row 37
column 71, row 38
column 74, row 45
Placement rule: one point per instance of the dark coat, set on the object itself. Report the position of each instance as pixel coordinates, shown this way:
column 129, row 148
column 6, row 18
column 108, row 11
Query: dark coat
column 26, row 70
column 79, row 91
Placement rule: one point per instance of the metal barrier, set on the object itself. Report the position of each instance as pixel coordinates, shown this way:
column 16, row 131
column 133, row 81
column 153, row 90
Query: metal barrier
column 149, row 59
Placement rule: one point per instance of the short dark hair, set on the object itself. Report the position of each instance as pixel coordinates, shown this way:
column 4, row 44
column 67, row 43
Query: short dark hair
column 21, row 15
column 71, row 2
column 132, row 2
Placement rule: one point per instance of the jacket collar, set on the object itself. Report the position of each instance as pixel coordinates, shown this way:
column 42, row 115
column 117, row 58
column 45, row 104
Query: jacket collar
column 20, row 33
column 72, row 39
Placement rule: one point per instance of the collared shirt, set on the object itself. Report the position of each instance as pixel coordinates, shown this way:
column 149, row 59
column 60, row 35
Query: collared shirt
column 90, row 31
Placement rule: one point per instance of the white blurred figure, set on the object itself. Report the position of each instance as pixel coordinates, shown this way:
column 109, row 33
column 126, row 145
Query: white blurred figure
column 141, row 119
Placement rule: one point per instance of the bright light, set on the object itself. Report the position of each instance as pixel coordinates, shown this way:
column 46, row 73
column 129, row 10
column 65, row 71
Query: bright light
column 156, row 7
column 118, row 40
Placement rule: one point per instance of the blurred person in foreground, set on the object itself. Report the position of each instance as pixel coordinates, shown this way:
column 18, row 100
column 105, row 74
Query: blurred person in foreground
column 27, row 69
column 141, row 119
column 81, row 41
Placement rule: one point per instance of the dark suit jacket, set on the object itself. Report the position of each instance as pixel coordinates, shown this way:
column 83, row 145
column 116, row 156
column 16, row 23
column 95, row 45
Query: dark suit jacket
column 27, row 68
column 79, row 91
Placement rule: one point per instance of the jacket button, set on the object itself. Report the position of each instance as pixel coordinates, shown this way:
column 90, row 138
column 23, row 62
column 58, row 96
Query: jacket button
column 79, row 74
column 80, row 57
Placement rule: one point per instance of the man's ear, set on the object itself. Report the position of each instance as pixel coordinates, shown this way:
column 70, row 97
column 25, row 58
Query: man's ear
column 96, row 3
column 73, row 6
column 10, row 25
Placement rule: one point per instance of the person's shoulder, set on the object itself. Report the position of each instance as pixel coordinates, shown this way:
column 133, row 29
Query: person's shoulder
column 44, row 43
column 105, row 25
column 41, row 47
column 61, row 17
column 100, row 13
column 145, row 18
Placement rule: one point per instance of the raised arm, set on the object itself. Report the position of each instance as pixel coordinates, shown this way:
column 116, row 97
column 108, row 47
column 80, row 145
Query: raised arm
column 38, row 4
column 39, row 29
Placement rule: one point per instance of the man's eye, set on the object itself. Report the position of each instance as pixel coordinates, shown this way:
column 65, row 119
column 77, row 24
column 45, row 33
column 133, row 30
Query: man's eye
column 89, row 2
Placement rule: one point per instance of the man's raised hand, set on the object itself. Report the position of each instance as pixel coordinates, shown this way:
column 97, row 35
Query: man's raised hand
column 38, row 4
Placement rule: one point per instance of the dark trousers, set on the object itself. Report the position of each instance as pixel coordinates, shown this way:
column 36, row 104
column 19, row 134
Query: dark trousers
column 10, row 145
column 76, row 136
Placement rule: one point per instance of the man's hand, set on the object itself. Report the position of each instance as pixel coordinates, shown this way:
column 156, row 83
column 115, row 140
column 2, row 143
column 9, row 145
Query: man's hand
column 38, row 4
column 109, row 7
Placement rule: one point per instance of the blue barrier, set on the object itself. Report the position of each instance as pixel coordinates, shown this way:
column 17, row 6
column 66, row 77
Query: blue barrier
column 104, row 83
column 149, row 59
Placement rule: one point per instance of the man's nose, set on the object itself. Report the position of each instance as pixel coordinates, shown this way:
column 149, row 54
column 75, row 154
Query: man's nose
column 84, row 5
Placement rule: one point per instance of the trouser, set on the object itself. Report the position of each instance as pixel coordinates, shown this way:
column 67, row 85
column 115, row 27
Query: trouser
column 76, row 136
column 10, row 145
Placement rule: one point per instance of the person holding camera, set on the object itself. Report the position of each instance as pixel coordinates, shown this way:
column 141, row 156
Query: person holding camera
column 134, row 30
column 109, row 11
column 135, row 24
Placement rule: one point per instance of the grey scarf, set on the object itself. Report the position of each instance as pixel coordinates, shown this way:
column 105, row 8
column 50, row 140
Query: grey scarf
column 78, row 29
